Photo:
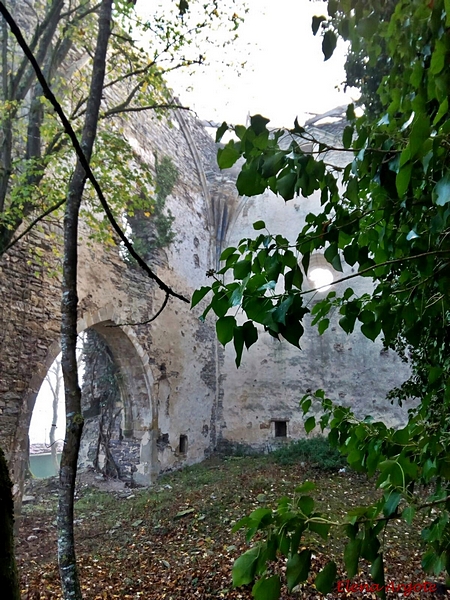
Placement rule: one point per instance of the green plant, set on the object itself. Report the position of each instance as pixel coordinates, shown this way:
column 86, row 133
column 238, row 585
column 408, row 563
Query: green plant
column 385, row 212
column 152, row 225
column 316, row 451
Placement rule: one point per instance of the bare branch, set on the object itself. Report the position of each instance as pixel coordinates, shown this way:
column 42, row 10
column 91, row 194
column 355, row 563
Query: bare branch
column 155, row 316
column 130, row 109
column 80, row 154
column 35, row 222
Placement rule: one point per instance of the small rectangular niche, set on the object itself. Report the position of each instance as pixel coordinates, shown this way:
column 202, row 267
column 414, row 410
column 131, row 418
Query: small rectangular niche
column 183, row 444
column 280, row 429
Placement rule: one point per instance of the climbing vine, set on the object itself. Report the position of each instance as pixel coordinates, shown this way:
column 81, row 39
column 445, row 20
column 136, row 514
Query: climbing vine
column 152, row 226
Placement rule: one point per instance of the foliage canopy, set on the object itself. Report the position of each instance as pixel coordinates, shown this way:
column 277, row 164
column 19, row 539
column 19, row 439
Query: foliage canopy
column 386, row 213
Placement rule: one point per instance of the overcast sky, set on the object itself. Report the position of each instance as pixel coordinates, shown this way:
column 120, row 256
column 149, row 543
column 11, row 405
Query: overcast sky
column 285, row 75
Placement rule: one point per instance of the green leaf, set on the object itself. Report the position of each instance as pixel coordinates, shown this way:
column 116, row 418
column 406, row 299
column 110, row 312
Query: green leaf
column 408, row 514
column 261, row 515
column 324, row 581
column 267, row 588
column 236, row 296
column 280, row 312
column 391, row 504
column 328, row 44
column 419, row 133
column 306, row 505
column 316, row 21
column 286, row 185
column 433, row 562
column 258, row 124
column 322, row 529
column 371, row 330
column 438, row 58
column 307, row 486
column 220, row 132
column 250, row 334
column 249, row 183
column 198, row 295
column 238, row 342
column 244, row 567
column 447, row 12
column 351, row 254
column 220, row 303
column 441, row 192
column 323, row 326
column 297, row 568
column 242, row 268
column 259, row 225
column 434, row 374
column 351, row 557
column 310, row 423
column 225, row 328
column 227, row 253
column 332, row 255
column 377, row 570
column 403, row 178
column 226, row 157
column 347, row 136
column 292, row 332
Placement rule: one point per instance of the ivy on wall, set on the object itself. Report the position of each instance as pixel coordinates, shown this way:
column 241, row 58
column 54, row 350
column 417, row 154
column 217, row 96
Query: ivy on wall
column 152, row 228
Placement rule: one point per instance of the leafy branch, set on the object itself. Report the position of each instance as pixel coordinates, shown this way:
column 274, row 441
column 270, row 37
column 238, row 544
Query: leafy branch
column 85, row 164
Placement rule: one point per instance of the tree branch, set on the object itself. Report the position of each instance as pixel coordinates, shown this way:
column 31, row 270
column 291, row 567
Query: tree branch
column 80, row 154
column 130, row 109
column 155, row 316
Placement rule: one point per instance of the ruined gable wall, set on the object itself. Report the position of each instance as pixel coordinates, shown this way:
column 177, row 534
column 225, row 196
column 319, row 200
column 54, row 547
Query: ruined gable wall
column 274, row 376
column 177, row 352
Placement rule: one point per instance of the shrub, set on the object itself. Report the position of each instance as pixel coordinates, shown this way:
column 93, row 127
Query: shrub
column 316, row 451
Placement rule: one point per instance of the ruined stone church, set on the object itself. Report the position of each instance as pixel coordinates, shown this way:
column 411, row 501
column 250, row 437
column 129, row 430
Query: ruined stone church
column 181, row 397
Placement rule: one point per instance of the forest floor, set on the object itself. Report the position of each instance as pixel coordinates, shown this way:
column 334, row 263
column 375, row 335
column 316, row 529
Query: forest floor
column 174, row 541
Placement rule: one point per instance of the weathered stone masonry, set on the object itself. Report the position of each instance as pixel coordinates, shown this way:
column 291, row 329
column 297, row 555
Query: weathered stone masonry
column 182, row 396
column 168, row 369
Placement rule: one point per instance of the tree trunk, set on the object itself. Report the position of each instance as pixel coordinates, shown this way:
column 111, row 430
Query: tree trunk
column 9, row 583
column 55, row 392
column 74, row 419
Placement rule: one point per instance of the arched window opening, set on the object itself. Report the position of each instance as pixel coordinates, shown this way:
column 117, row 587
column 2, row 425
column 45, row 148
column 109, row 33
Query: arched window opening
column 319, row 273
column 47, row 426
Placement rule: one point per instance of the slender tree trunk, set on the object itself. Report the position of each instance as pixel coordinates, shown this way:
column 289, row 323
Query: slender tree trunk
column 74, row 419
column 9, row 583
column 56, row 390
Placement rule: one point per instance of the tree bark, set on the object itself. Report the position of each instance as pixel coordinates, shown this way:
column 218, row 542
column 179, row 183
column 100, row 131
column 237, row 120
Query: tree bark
column 56, row 390
column 74, row 419
column 9, row 583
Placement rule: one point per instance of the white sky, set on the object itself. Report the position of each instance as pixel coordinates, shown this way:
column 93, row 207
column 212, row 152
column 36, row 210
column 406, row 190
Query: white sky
column 285, row 75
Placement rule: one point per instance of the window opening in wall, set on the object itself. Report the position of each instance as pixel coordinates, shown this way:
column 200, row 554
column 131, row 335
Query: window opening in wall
column 183, row 444
column 280, row 428
column 47, row 428
column 319, row 273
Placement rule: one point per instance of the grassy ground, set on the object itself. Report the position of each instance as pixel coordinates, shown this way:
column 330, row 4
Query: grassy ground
column 174, row 541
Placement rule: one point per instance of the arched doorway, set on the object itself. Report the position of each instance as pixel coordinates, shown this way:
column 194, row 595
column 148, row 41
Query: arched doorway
column 138, row 415
column 120, row 417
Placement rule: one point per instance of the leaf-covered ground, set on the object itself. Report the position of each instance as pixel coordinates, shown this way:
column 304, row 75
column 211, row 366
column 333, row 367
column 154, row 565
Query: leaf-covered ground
column 174, row 541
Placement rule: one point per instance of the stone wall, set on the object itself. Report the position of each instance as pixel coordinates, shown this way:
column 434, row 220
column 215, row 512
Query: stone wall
column 274, row 376
column 170, row 381
column 181, row 394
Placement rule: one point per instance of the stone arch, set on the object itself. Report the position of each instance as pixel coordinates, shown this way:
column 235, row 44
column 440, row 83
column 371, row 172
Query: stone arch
column 140, row 412
column 140, row 419
column 134, row 364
